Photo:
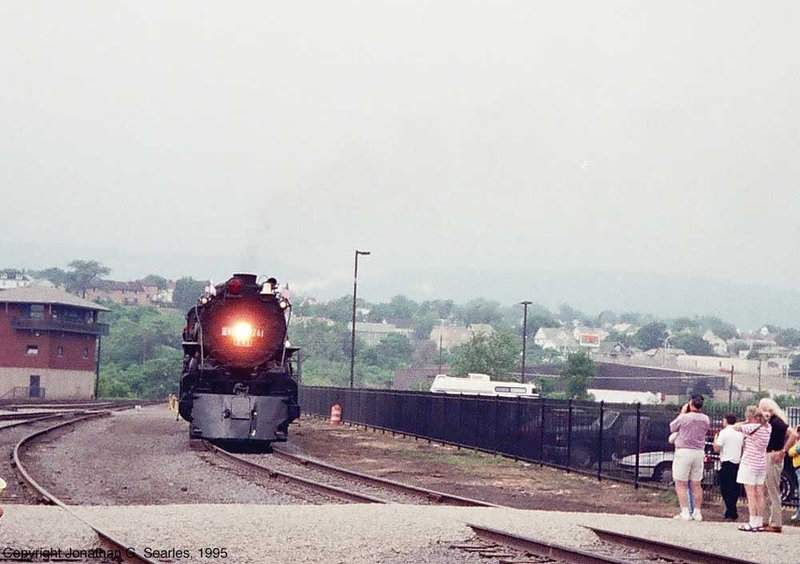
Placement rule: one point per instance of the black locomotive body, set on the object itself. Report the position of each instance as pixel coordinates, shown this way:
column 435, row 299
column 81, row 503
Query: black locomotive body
column 237, row 382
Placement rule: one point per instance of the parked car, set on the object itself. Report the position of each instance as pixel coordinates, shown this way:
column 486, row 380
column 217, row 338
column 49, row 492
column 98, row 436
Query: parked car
column 657, row 467
column 581, row 446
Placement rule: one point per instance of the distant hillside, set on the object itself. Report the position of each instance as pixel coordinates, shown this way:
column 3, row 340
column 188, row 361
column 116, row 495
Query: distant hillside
column 747, row 306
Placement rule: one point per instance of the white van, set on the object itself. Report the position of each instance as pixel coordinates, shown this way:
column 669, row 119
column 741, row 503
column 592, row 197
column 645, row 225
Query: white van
column 481, row 385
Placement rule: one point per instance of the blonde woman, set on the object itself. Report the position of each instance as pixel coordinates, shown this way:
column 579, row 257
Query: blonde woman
column 781, row 439
column 753, row 465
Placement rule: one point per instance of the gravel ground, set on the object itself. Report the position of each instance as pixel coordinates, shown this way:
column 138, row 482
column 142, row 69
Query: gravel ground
column 143, row 457
column 17, row 491
column 359, row 533
column 332, row 479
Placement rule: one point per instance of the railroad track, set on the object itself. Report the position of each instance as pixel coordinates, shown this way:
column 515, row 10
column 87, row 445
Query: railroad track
column 613, row 548
column 110, row 542
column 338, row 482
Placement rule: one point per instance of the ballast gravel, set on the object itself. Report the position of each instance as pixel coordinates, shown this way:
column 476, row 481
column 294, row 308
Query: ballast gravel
column 358, row 533
column 143, row 457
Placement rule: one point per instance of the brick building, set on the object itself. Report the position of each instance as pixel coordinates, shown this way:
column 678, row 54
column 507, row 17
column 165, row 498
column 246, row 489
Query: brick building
column 49, row 342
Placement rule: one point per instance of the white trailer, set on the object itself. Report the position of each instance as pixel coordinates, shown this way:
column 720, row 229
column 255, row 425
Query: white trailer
column 481, row 385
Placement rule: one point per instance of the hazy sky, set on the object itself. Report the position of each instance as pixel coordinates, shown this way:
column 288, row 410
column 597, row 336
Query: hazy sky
column 276, row 137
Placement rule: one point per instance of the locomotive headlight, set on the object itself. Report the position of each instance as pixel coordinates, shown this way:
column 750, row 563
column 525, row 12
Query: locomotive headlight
column 284, row 304
column 242, row 331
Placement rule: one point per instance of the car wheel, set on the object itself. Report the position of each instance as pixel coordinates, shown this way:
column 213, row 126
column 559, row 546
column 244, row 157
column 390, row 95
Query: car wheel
column 581, row 458
column 663, row 473
column 788, row 488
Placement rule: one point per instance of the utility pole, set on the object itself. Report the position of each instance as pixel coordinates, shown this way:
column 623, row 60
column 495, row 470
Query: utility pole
column 353, row 339
column 525, row 305
column 440, row 354
column 730, row 391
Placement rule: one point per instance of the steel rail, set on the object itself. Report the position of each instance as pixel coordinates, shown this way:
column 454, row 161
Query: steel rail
column 433, row 495
column 128, row 553
column 333, row 491
column 666, row 549
column 543, row 548
column 38, row 416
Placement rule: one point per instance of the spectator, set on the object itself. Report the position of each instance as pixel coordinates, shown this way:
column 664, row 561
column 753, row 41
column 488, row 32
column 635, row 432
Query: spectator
column 753, row 466
column 2, row 487
column 781, row 440
column 796, row 465
column 728, row 443
column 687, row 465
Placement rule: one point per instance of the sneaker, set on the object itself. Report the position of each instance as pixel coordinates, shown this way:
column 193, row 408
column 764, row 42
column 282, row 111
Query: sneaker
column 683, row 517
column 696, row 515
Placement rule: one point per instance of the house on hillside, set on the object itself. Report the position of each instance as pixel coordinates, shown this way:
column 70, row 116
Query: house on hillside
column 555, row 338
column 450, row 336
column 131, row 293
column 12, row 278
column 719, row 344
column 374, row 333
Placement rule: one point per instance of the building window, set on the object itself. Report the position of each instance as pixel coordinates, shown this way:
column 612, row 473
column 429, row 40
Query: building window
column 32, row 350
column 85, row 352
column 60, row 351
column 37, row 311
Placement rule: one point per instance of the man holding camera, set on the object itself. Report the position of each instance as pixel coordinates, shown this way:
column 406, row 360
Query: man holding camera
column 687, row 465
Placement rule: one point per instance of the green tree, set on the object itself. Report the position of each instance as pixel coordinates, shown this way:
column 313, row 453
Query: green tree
column 682, row 323
column 579, row 372
column 321, row 340
column 155, row 280
column 568, row 314
column 393, row 351
column 496, row 355
column 692, row 344
column 652, row 335
column 789, row 337
column 794, row 367
column 84, row 274
column 480, row 310
column 401, row 307
column 55, row 275
column 721, row 329
column 187, row 291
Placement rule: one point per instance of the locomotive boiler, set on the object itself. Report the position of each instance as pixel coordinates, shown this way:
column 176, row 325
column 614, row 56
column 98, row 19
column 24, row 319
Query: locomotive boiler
column 237, row 382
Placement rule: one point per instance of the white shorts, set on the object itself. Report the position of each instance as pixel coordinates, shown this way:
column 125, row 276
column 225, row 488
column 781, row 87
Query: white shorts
column 688, row 464
column 749, row 477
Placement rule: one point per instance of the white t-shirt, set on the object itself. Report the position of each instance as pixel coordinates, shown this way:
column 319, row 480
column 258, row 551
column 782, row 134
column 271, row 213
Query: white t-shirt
column 731, row 442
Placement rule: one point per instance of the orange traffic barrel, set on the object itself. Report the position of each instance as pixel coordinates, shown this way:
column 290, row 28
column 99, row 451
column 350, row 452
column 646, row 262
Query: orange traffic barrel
column 336, row 414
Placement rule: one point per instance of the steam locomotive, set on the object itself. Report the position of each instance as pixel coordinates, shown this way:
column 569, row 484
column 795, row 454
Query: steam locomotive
column 238, row 382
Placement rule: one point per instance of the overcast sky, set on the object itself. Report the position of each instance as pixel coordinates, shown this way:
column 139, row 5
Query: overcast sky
column 203, row 138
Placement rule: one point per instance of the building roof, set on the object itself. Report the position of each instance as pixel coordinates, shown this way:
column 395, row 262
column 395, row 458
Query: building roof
column 45, row 295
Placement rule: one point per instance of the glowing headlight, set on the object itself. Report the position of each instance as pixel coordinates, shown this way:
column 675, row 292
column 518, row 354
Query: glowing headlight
column 242, row 331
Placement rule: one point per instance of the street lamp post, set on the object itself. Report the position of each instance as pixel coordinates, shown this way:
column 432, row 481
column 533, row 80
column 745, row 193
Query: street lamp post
column 353, row 338
column 525, row 305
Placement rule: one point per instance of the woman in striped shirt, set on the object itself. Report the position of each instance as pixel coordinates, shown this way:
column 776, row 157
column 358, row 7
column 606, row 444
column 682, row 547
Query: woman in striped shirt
column 753, row 466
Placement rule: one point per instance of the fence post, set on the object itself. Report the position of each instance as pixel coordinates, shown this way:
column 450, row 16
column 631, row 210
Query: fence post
column 569, row 435
column 518, row 421
column 638, row 444
column 600, row 443
column 541, row 432
column 495, row 434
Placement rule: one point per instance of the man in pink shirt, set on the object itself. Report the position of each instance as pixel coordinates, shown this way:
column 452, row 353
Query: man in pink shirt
column 687, row 465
